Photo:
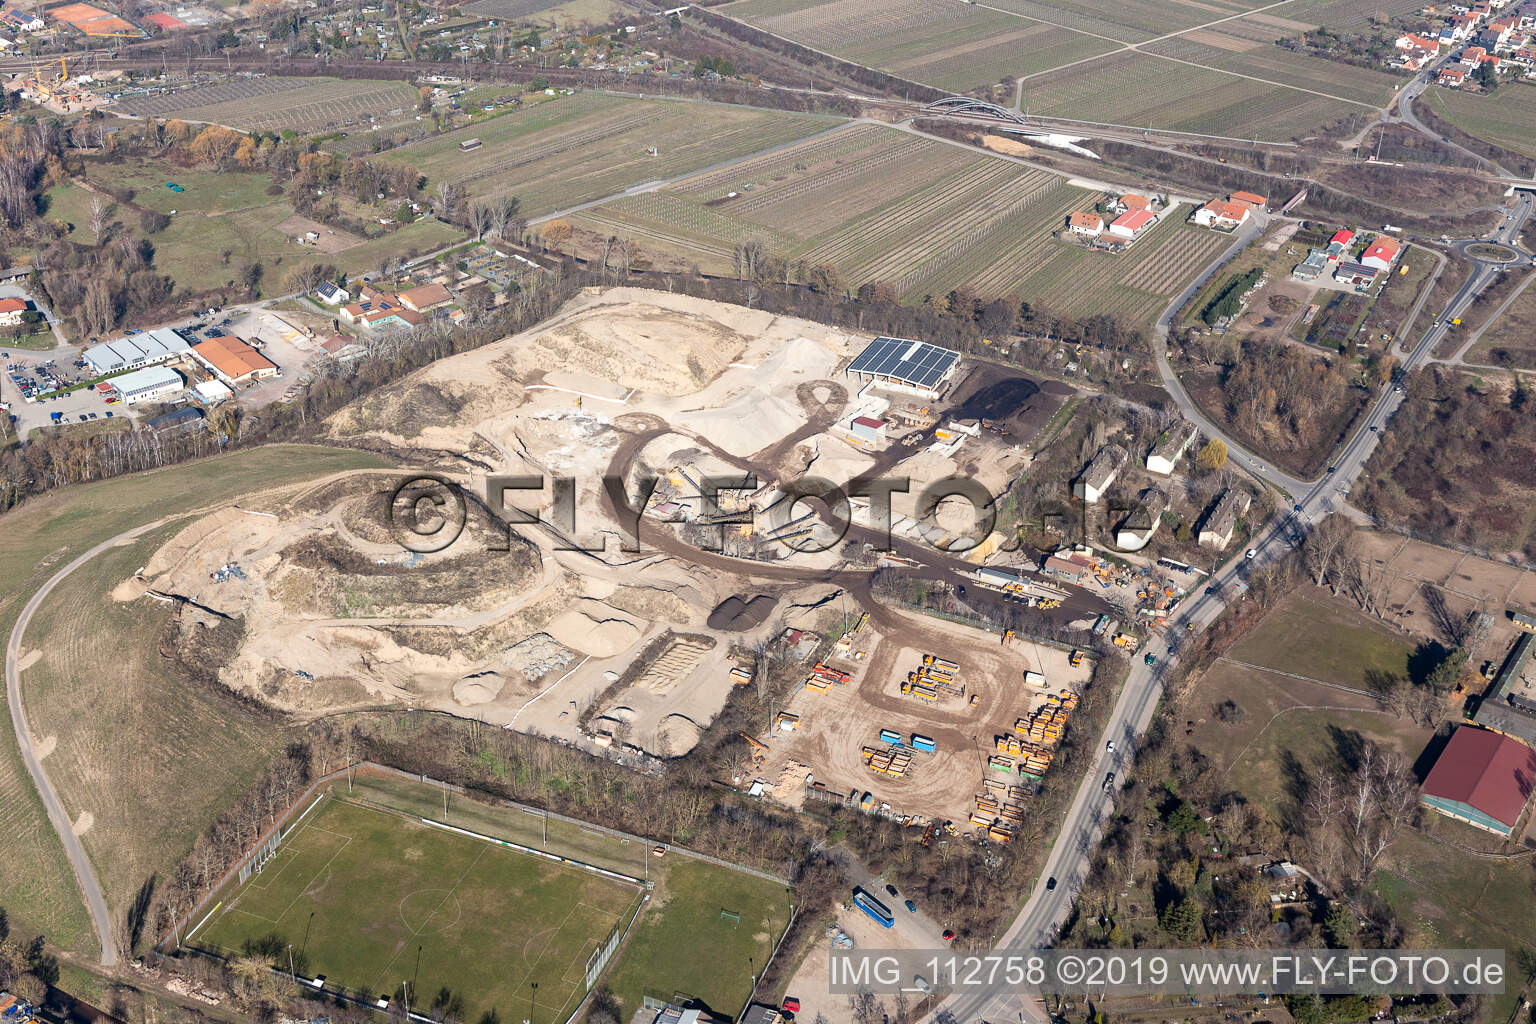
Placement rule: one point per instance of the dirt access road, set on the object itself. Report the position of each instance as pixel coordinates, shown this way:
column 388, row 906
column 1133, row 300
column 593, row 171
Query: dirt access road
column 85, row 874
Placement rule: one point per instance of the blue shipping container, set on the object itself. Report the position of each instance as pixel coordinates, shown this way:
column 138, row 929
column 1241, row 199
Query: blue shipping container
column 890, row 736
column 874, row 908
column 923, row 743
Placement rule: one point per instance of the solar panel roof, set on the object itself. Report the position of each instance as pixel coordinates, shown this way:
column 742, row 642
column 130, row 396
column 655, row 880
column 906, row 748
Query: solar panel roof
column 913, row 362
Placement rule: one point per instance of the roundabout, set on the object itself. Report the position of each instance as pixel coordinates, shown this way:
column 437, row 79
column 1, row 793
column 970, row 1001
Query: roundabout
column 1492, row 252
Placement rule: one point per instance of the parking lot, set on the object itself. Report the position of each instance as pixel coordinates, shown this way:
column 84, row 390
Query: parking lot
column 38, row 374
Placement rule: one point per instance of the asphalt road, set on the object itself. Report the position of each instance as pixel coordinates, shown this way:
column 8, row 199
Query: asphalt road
column 1081, row 831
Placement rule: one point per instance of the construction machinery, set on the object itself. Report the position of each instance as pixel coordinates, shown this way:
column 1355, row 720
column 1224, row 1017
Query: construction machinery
column 759, row 750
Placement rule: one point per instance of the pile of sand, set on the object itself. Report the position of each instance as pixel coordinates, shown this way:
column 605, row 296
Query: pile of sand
column 748, row 422
column 635, row 344
column 789, row 787
column 480, row 688
column 594, row 628
column 676, row 735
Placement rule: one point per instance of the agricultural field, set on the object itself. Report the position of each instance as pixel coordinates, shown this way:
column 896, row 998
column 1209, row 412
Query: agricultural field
column 546, row 12
column 354, row 889
column 1145, row 91
column 1222, row 51
column 1506, row 118
column 917, row 213
column 946, row 46
column 41, row 894
column 303, row 105
column 587, row 146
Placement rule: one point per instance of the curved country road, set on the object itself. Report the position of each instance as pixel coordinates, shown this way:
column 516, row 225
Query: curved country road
column 85, row 874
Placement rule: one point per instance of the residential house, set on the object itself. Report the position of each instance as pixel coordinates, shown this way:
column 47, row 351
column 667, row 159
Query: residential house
column 1471, row 57
column 1170, row 448
column 1252, row 199
column 1083, row 222
column 331, row 294
column 1136, row 531
column 375, row 309
column 1131, row 224
column 1451, row 77
column 11, row 311
column 1101, row 473
column 21, row 21
column 6, row 42
column 1216, row 531
column 1223, row 215
column 1135, row 201
column 1381, row 253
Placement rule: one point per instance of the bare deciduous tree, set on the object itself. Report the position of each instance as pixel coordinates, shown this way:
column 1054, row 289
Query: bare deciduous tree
column 101, row 216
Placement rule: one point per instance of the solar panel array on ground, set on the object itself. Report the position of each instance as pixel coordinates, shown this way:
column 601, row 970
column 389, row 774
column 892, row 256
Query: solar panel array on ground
column 914, row 363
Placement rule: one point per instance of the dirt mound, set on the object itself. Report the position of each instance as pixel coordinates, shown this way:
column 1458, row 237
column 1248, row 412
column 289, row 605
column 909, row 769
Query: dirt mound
column 176, row 550
column 737, row 615
column 636, row 344
column 677, row 734
column 594, row 628
column 480, row 688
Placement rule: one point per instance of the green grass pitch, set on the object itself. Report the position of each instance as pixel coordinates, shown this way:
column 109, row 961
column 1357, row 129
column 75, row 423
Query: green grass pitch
column 359, row 891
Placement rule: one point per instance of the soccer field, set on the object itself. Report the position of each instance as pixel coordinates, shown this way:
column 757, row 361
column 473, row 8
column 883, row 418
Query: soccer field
column 370, row 900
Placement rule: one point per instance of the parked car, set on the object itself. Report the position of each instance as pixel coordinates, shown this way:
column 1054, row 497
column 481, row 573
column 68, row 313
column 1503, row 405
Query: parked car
column 911, row 907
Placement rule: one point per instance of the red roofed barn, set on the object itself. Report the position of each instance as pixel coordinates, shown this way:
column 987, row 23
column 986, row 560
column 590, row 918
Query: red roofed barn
column 1129, row 225
column 1482, row 778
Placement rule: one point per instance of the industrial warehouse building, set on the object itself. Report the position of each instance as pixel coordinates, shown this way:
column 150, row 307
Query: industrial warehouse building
column 149, row 384
column 233, row 360
column 914, row 367
column 1482, row 778
column 150, row 348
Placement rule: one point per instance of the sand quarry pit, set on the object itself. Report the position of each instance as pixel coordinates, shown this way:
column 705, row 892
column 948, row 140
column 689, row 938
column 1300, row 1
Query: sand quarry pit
column 562, row 397
column 333, row 619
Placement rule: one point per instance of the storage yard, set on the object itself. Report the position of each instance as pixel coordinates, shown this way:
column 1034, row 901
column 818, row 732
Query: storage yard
column 913, row 729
